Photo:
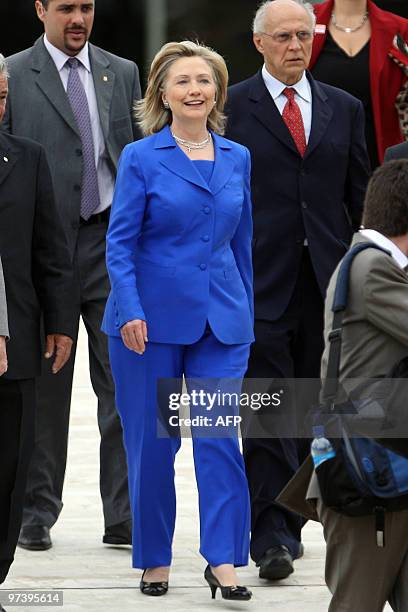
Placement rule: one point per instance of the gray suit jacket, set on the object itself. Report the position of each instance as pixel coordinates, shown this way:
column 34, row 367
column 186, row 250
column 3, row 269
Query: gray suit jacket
column 399, row 151
column 375, row 324
column 3, row 306
column 38, row 108
column 374, row 338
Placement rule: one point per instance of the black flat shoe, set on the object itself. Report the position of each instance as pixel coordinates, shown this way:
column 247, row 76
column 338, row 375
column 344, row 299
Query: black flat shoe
column 119, row 534
column 276, row 563
column 34, row 537
column 155, row 589
column 236, row 593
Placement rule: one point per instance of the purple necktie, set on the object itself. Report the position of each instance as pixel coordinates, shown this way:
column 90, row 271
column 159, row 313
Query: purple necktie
column 77, row 97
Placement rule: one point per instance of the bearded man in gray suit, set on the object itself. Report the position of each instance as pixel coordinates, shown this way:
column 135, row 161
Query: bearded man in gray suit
column 76, row 100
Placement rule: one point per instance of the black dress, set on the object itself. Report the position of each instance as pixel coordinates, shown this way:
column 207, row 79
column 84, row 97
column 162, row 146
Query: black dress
column 335, row 67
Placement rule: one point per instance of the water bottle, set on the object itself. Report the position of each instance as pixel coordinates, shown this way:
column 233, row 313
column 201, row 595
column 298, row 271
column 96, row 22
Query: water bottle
column 321, row 448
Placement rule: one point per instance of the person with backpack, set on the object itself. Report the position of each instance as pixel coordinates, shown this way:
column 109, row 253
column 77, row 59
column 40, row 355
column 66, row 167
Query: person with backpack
column 366, row 565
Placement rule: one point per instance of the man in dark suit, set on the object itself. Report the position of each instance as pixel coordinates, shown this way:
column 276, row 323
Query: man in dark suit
column 76, row 100
column 309, row 173
column 38, row 277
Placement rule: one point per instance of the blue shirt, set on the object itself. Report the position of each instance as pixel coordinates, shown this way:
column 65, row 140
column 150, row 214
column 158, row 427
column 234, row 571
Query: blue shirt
column 205, row 167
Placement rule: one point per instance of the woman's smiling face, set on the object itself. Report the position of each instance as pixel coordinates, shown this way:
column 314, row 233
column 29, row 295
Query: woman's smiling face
column 190, row 90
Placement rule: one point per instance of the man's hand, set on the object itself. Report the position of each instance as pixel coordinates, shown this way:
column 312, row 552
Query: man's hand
column 3, row 356
column 60, row 346
column 134, row 335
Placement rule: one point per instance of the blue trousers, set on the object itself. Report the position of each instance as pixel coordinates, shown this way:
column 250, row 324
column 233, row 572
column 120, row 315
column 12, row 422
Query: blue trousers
column 219, row 467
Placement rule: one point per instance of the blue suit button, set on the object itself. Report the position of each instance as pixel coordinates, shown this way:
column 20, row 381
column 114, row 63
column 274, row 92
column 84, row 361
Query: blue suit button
column 203, row 266
column 205, row 238
column 207, row 210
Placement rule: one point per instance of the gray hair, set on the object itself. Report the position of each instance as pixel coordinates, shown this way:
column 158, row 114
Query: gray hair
column 3, row 67
column 258, row 24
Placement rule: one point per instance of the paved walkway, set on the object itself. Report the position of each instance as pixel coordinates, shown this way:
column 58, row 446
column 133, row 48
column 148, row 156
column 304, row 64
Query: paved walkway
column 97, row 578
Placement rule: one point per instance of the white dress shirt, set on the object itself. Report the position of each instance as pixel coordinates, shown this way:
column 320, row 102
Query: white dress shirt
column 106, row 179
column 384, row 242
column 303, row 97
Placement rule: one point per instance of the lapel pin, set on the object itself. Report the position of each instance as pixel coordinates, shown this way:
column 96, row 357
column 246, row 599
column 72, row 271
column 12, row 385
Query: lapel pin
column 5, row 159
column 105, row 78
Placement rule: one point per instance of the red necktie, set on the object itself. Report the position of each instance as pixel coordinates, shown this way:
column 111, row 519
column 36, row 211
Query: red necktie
column 293, row 119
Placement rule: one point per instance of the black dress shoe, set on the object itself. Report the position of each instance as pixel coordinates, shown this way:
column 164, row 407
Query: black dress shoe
column 119, row 534
column 34, row 537
column 155, row 589
column 276, row 564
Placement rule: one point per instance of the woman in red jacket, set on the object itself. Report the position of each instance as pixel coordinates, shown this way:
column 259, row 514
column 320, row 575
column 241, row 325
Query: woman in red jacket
column 355, row 48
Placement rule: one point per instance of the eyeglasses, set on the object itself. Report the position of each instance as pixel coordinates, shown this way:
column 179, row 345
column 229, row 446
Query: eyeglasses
column 285, row 37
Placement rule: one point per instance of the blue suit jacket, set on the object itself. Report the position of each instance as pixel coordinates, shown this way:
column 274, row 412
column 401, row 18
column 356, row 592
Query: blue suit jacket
column 179, row 250
column 318, row 197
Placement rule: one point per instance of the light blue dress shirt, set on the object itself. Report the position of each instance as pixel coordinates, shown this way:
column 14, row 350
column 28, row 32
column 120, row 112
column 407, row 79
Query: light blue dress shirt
column 106, row 180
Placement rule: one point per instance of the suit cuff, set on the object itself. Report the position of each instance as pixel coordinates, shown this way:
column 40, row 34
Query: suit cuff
column 128, row 307
column 59, row 323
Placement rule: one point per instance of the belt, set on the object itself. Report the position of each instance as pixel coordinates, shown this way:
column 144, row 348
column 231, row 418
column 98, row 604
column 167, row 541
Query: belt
column 102, row 217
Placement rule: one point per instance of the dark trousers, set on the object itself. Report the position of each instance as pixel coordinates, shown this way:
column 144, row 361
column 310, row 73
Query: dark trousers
column 17, row 404
column 47, row 471
column 290, row 347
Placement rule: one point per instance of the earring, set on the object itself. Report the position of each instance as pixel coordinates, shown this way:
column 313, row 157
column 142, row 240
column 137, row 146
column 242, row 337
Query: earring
column 166, row 105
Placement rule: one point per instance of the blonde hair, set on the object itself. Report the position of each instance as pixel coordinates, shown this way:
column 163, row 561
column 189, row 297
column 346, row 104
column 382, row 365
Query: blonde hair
column 150, row 112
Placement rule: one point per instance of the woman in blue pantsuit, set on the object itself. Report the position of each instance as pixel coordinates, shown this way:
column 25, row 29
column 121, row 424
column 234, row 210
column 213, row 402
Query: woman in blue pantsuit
column 179, row 260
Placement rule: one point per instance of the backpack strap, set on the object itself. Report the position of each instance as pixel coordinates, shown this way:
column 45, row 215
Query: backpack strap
column 339, row 305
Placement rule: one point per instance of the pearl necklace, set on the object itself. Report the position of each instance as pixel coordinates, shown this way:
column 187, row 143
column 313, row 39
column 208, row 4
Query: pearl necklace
column 348, row 30
column 189, row 145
